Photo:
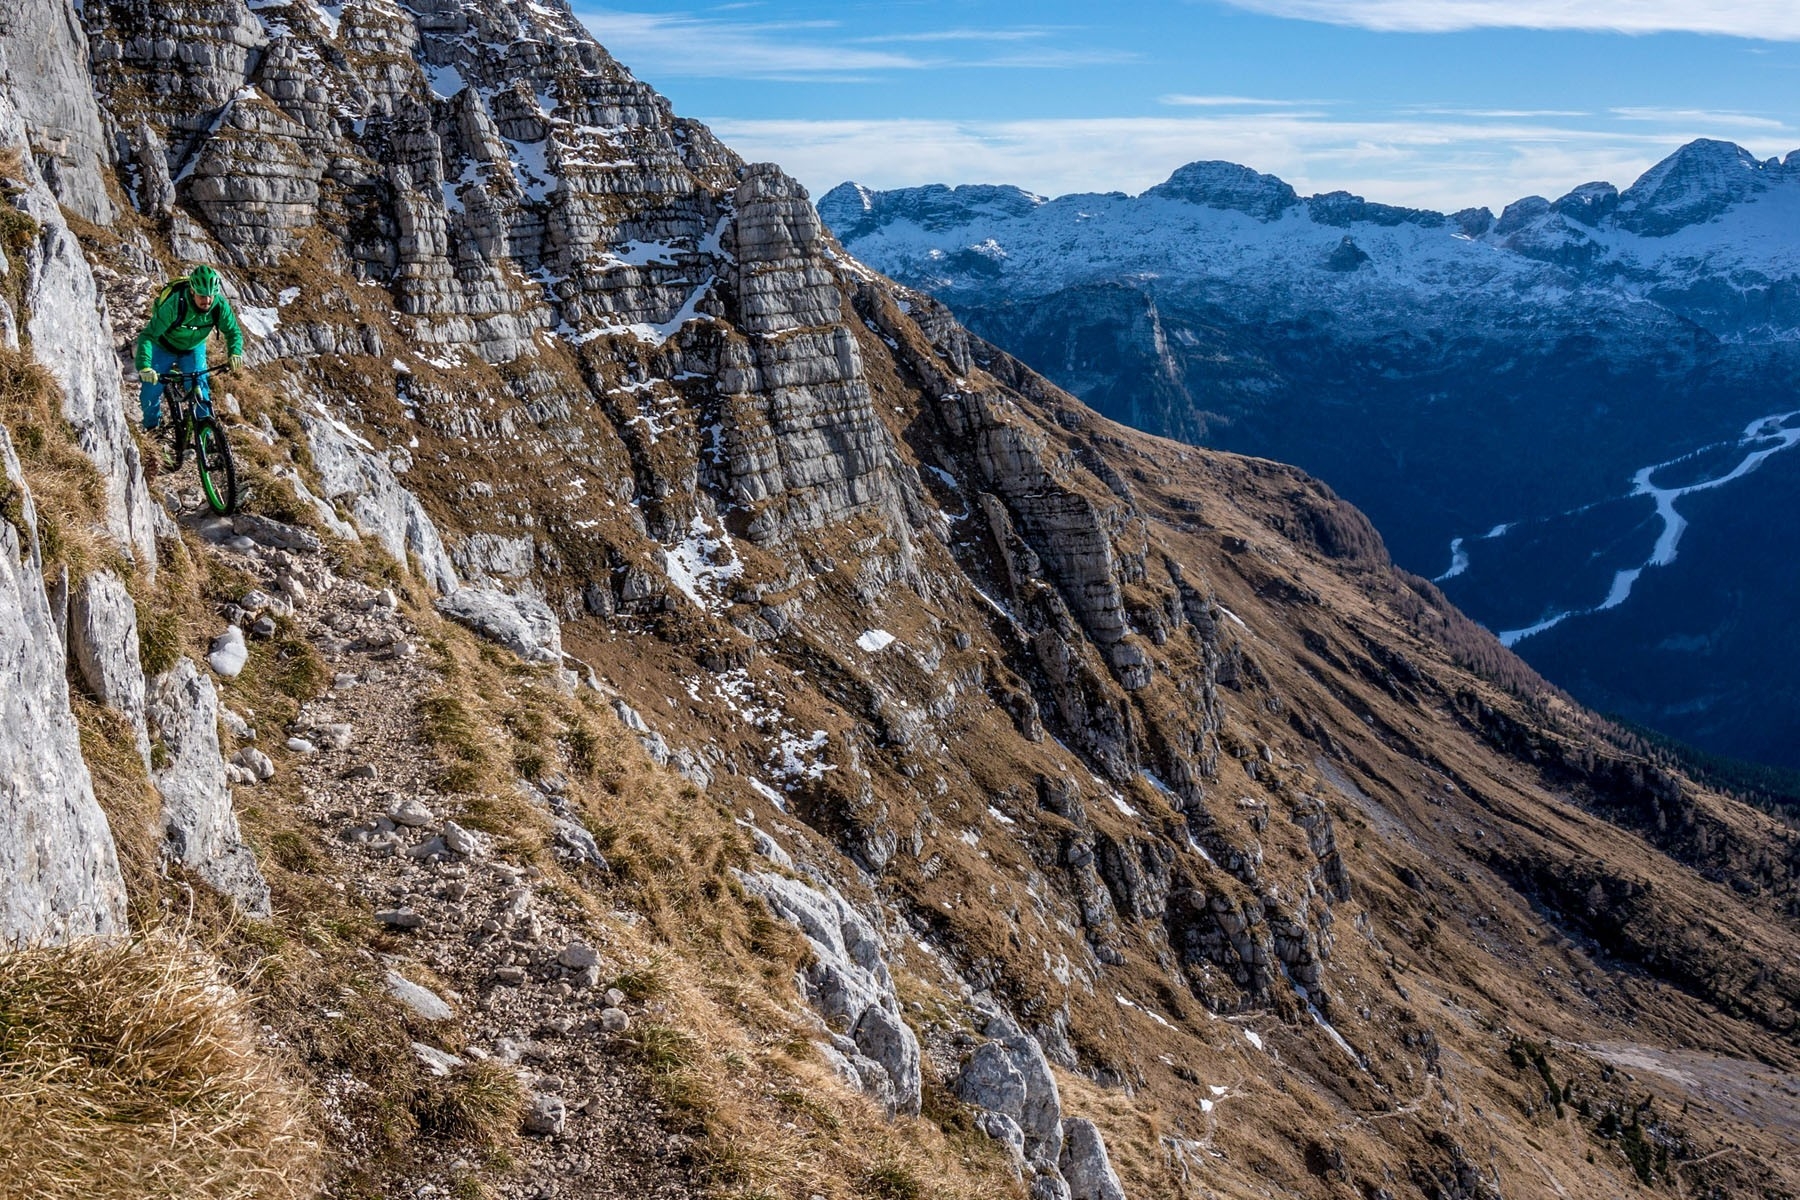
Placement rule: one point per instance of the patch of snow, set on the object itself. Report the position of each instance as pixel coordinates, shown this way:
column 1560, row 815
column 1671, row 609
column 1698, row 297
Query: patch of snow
column 1153, row 1015
column 287, row 296
column 1319, row 1019
column 702, row 563
column 1119, row 803
column 969, row 837
column 1761, row 440
column 1254, row 1038
column 794, row 756
column 654, row 335
column 331, row 15
column 445, row 81
column 1459, row 561
column 642, row 254
column 875, row 640
column 531, row 167
column 1000, row 816
column 713, row 243
column 768, row 793
column 1154, row 780
column 260, row 321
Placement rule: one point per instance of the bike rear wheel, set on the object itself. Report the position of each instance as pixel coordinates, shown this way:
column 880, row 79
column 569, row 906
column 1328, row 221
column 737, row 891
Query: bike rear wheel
column 175, row 433
column 218, row 473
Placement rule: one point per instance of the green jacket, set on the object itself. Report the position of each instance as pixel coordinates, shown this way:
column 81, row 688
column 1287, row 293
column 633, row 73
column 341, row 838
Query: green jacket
column 178, row 326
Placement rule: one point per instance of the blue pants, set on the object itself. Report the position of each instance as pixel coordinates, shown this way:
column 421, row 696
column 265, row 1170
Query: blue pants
column 191, row 363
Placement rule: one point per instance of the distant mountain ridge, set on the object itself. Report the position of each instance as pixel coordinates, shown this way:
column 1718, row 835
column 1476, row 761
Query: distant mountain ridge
column 1666, row 228
column 1450, row 373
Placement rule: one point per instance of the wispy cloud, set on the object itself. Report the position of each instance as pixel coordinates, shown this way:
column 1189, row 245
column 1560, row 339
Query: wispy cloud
column 1699, row 116
column 718, row 46
column 1765, row 20
column 1501, row 114
column 1442, row 164
column 963, row 35
column 1183, row 101
column 1050, row 58
column 678, row 44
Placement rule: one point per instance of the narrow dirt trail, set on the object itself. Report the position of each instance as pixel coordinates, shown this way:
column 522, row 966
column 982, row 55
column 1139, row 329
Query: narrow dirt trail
column 489, row 962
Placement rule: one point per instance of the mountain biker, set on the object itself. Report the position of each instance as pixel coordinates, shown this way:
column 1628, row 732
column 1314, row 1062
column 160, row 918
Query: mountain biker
column 180, row 322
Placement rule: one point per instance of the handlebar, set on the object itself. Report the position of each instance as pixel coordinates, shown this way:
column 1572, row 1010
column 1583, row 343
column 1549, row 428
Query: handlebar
column 176, row 374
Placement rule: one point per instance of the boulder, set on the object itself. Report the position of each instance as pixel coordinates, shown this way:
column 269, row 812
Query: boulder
column 1085, row 1166
column 198, row 819
column 103, row 636
column 422, row 1001
column 229, row 653
column 523, row 624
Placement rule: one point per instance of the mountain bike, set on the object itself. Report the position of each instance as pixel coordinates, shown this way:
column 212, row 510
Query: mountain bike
column 189, row 418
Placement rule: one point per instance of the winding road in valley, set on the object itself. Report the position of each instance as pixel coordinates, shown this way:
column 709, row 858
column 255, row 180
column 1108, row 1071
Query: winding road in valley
column 1761, row 440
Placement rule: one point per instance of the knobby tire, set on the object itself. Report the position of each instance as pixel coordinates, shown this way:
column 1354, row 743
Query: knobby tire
column 176, row 433
column 218, row 473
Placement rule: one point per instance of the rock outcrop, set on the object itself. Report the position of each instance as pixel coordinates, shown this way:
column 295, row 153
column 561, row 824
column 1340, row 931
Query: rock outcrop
column 59, row 872
column 849, row 984
column 44, row 71
column 352, row 471
column 198, row 818
column 66, row 323
column 103, row 637
column 1009, row 1079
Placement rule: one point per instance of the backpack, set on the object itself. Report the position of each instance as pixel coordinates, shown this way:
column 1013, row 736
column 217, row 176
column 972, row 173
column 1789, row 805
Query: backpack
column 167, row 290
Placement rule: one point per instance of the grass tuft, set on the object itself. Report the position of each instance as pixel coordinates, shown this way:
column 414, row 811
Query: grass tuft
column 892, row 1180
column 127, row 1070
column 479, row 1103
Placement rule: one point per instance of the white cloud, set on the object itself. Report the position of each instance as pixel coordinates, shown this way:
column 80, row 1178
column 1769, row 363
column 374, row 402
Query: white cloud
column 680, row 45
column 1698, row 116
column 1183, row 101
column 1438, row 164
column 663, row 45
column 1501, row 114
column 963, row 35
column 1772, row 20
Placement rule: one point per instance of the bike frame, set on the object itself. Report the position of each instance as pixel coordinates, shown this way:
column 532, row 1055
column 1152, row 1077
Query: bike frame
column 199, row 404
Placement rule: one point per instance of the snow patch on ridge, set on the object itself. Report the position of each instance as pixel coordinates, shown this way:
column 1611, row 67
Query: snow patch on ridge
column 702, row 563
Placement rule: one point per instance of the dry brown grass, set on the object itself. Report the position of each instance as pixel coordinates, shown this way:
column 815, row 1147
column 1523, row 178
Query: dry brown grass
column 127, row 1070
column 122, row 786
column 66, row 489
column 727, row 1054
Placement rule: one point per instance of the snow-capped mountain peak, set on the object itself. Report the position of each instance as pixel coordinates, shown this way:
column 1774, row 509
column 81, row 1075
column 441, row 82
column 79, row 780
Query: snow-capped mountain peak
column 1697, row 183
column 1227, row 185
column 850, row 208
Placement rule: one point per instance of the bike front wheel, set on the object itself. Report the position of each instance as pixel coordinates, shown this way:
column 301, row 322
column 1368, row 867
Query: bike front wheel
column 218, row 473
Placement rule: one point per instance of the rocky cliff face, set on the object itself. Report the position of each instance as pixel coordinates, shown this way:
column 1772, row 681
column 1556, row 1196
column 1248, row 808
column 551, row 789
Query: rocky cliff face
column 1138, row 818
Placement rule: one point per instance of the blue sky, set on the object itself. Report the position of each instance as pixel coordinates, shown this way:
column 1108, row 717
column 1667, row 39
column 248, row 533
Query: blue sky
column 1441, row 103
